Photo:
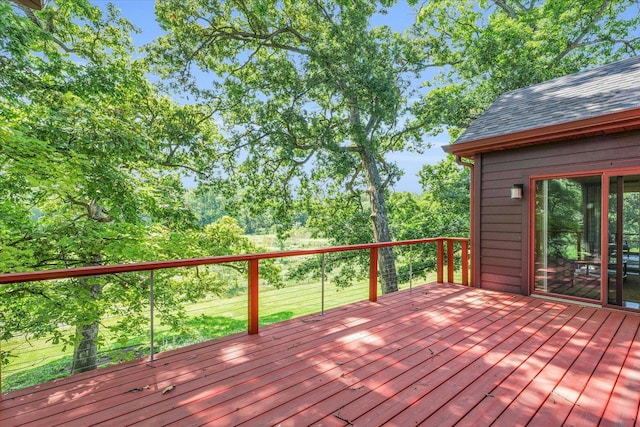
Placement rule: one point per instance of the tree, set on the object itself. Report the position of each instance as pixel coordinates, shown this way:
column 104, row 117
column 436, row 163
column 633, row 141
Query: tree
column 441, row 210
column 312, row 98
column 206, row 205
column 91, row 161
column 448, row 185
column 501, row 45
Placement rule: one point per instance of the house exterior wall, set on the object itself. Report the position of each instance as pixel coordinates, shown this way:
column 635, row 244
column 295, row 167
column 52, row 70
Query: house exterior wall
column 502, row 224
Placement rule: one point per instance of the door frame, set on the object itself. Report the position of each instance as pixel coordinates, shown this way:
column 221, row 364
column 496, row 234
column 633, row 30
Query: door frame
column 606, row 179
column 605, row 176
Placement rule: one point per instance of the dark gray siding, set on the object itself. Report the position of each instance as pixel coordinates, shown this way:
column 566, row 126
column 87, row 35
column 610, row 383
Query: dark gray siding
column 503, row 225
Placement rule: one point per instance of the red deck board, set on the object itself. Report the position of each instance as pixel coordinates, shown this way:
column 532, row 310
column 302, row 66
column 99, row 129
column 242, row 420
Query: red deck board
column 440, row 355
column 352, row 375
column 590, row 406
column 460, row 403
column 291, row 370
column 338, row 364
column 465, row 356
column 363, row 354
column 410, row 372
column 266, row 351
column 625, row 399
column 525, row 406
column 190, row 373
column 474, row 371
column 564, row 396
column 378, row 373
column 296, row 366
column 509, row 389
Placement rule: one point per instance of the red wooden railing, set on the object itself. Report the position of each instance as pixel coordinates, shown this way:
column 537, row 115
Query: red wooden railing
column 253, row 259
column 253, row 270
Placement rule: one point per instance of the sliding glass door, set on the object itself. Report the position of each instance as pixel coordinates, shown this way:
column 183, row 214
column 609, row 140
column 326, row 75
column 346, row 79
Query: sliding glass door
column 623, row 281
column 567, row 237
column 572, row 258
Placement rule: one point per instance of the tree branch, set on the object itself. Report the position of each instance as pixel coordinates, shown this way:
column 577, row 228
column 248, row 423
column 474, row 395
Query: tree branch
column 95, row 211
column 372, row 124
column 387, row 169
column 324, row 12
column 417, row 126
column 509, row 11
column 305, row 160
column 351, row 184
column 576, row 42
column 351, row 149
column 49, row 29
column 200, row 173
column 267, row 39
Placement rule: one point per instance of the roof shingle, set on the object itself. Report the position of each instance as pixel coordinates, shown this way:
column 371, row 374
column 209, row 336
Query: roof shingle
column 600, row 91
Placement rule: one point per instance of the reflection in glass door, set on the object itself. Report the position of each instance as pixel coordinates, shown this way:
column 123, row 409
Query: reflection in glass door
column 567, row 246
column 623, row 282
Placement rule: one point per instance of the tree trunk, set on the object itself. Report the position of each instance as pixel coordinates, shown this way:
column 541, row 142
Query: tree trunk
column 386, row 262
column 85, row 353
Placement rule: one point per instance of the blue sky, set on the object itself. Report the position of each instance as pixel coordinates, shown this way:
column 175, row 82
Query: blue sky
column 141, row 13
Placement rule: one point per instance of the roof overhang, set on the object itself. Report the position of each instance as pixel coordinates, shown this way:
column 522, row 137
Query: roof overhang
column 599, row 125
column 33, row 4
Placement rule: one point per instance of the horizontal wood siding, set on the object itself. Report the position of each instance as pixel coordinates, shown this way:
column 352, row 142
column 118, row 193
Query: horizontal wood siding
column 503, row 228
column 501, row 253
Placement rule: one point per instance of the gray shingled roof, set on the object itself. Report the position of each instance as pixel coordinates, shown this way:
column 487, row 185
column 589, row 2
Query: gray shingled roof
column 600, row 91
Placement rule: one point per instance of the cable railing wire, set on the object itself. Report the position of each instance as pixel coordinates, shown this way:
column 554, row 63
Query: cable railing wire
column 329, row 278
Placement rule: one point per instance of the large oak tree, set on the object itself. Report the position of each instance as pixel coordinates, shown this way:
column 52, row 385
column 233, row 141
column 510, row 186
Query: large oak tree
column 312, row 97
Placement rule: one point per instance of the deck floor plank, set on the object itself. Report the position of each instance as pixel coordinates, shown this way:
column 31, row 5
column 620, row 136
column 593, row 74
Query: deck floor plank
column 353, row 375
column 590, row 406
column 462, row 402
column 404, row 394
column 229, row 360
column 569, row 392
column 379, row 375
column 449, row 390
column 439, row 355
column 443, row 352
column 217, row 379
column 625, row 399
column 294, row 367
column 294, row 363
column 510, row 388
column 571, row 371
column 366, row 354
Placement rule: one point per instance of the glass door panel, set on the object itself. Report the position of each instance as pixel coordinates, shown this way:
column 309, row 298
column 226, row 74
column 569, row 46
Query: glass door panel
column 623, row 282
column 568, row 237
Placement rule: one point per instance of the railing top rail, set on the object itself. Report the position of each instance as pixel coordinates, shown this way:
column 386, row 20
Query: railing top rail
column 192, row 262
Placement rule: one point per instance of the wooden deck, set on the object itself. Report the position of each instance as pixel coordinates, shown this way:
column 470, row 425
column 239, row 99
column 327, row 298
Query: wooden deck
column 439, row 355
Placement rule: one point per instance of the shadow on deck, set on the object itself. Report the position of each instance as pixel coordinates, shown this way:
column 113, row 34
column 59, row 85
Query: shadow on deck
column 438, row 355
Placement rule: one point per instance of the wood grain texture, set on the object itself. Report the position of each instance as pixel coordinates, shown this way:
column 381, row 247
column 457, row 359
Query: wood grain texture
column 438, row 355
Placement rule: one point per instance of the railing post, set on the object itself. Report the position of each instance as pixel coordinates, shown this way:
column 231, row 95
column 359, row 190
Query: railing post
column 450, row 261
column 323, row 270
column 373, row 274
column 440, row 261
column 410, row 270
column 253, row 297
column 152, row 303
column 465, row 262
